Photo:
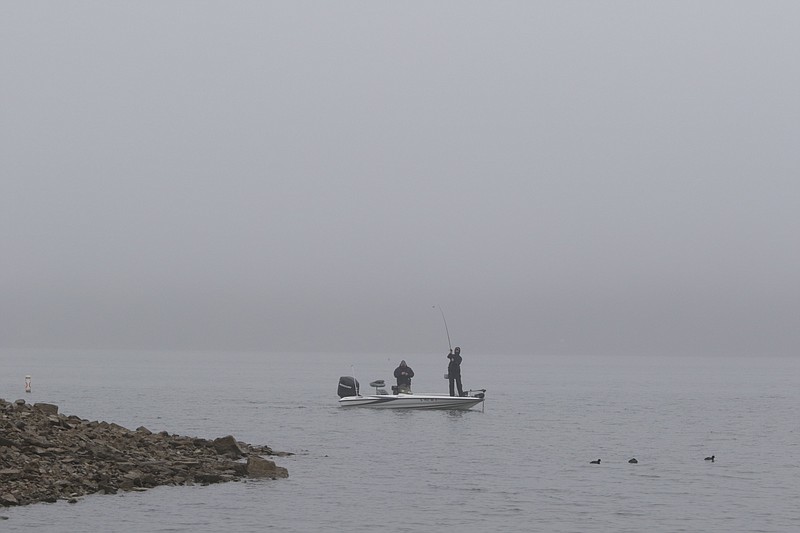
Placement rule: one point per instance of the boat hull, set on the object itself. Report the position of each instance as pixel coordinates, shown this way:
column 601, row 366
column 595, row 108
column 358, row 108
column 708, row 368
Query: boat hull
column 412, row 401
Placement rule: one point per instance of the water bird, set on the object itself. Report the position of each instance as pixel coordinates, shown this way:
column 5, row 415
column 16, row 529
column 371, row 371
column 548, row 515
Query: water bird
column 594, row 462
column 710, row 458
column 633, row 461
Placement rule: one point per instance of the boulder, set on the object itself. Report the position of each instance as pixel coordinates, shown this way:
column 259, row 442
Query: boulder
column 46, row 408
column 228, row 446
column 260, row 467
column 207, row 478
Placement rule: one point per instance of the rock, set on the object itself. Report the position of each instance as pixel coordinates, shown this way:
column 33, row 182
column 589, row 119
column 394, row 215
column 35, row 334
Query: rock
column 260, row 467
column 47, row 408
column 133, row 475
column 228, row 446
column 47, row 457
column 208, row 478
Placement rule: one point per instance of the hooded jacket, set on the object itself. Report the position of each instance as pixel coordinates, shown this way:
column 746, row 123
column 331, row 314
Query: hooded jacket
column 403, row 373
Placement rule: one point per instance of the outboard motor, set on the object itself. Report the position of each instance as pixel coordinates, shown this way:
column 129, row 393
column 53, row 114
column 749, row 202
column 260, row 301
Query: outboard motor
column 348, row 386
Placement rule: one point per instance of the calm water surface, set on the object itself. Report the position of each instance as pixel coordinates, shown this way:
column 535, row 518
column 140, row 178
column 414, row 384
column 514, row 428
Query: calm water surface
column 521, row 465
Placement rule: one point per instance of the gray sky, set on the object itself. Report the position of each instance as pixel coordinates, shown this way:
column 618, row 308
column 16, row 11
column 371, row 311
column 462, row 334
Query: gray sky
column 560, row 177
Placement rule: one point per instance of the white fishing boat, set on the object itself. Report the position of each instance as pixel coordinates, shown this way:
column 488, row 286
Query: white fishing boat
column 350, row 396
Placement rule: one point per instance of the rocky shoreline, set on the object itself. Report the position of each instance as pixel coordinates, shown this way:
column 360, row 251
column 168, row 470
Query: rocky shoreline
column 46, row 456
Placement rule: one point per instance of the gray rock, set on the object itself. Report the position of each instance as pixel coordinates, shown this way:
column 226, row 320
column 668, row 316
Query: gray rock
column 228, row 446
column 260, row 467
column 47, row 408
column 47, row 457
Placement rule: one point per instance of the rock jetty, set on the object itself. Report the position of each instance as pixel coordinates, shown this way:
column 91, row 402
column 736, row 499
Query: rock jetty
column 46, row 456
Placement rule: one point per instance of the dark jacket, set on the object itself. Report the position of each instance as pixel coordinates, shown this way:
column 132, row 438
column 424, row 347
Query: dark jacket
column 454, row 368
column 403, row 375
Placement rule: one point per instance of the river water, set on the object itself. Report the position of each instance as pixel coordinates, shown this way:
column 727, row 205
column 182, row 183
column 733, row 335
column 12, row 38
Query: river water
column 521, row 464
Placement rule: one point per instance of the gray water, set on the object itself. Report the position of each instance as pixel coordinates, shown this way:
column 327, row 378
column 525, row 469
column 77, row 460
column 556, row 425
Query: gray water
column 522, row 464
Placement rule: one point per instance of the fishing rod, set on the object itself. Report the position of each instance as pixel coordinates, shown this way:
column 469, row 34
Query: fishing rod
column 445, row 328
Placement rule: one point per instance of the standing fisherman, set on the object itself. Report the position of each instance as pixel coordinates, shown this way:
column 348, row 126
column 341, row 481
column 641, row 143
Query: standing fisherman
column 454, row 371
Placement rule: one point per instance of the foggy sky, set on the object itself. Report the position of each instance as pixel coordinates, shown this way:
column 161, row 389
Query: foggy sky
column 559, row 177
